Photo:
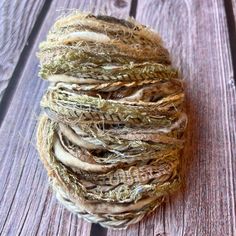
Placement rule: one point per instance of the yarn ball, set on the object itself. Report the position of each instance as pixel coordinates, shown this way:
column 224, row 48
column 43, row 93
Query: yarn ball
column 111, row 132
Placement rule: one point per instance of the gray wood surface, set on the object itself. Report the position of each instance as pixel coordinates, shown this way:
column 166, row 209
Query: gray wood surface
column 27, row 206
column 197, row 35
column 17, row 19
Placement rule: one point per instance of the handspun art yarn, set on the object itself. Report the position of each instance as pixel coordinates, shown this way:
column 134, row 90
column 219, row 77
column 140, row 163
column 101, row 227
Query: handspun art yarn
column 111, row 133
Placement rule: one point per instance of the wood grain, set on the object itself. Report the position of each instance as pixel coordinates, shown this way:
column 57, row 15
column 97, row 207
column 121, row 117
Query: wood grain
column 17, row 18
column 27, row 206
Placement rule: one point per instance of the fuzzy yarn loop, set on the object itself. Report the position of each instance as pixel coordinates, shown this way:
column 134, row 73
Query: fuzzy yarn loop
column 111, row 132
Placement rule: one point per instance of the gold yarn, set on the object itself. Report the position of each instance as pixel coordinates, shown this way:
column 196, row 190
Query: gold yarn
column 111, row 131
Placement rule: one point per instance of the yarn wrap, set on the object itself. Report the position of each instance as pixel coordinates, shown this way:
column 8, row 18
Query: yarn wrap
column 111, row 132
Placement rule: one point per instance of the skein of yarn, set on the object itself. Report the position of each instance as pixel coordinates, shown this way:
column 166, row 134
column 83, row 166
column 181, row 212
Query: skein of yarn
column 111, row 132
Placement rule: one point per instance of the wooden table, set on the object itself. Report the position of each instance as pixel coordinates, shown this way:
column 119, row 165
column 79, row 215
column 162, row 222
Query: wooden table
column 201, row 37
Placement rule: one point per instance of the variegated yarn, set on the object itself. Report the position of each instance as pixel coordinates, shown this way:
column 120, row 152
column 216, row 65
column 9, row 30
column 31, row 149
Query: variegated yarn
column 111, row 132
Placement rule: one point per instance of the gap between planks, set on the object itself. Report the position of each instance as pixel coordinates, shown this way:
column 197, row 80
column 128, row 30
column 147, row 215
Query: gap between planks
column 232, row 34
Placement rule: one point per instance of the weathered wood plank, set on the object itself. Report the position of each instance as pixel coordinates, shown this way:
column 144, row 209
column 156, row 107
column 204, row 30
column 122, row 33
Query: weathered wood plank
column 196, row 34
column 17, row 18
column 27, row 206
column 233, row 3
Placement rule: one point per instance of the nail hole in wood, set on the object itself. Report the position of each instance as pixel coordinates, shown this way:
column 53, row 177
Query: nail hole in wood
column 120, row 3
